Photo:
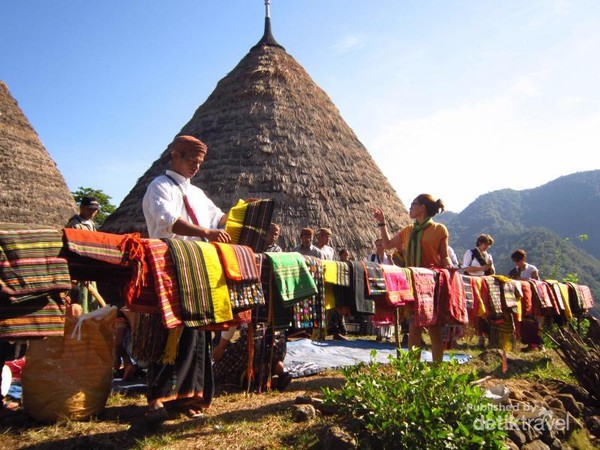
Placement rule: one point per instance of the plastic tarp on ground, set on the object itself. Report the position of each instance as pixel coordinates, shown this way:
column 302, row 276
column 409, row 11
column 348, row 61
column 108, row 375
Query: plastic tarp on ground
column 306, row 357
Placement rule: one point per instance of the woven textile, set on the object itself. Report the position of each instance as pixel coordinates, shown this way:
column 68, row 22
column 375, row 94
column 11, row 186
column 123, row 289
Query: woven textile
column 375, row 280
column 424, row 283
column 310, row 312
column 235, row 221
column 96, row 245
column 359, row 278
column 257, row 222
column 542, row 295
column 330, row 271
column 43, row 316
column 580, row 297
column 238, row 261
column 344, row 273
column 451, row 298
column 30, row 262
column 202, row 287
column 399, row 289
column 492, row 297
column 164, row 277
column 293, row 281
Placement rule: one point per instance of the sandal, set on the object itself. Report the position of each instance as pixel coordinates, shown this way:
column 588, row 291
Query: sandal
column 194, row 413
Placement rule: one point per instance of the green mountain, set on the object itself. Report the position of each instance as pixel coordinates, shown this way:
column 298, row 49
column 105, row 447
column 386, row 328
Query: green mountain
column 546, row 221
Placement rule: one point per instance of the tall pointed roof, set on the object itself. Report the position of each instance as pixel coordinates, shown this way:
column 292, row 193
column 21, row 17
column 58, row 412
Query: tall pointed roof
column 273, row 133
column 32, row 190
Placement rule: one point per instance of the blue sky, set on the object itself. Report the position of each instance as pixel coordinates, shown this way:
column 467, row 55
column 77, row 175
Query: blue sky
column 453, row 98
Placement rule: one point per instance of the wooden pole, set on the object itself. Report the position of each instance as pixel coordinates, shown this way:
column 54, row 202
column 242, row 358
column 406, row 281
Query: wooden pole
column 96, row 294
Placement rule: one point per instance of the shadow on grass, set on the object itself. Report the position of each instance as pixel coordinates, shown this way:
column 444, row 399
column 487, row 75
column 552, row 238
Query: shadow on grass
column 19, row 430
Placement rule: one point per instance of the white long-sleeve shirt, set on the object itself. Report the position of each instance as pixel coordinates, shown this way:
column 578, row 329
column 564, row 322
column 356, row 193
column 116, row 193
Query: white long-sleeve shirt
column 163, row 205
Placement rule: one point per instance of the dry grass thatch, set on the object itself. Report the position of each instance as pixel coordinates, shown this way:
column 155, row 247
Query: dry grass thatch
column 32, row 190
column 273, row 133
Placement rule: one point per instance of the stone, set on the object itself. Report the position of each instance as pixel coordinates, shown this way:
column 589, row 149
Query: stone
column 593, row 425
column 570, row 404
column 516, row 436
column 303, row 413
column 555, row 403
column 510, row 445
column 303, row 400
column 336, row 438
column 535, row 445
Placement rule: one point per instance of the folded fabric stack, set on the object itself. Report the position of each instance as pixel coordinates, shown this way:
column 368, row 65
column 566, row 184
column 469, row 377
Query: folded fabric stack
column 33, row 280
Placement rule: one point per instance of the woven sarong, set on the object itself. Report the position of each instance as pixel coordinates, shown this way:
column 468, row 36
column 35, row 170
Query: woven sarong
column 492, row 297
column 30, row 262
column 39, row 317
column 542, row 295
column 451, row 298
column 359, row 278
column 243, row 276
column 310, row 312
column 235, row 221
column 96, row 245
column 397, row 284
column 257, row 222
column 202, row 287
column 508, row 295
column 424, row 283
column 375, row 279
column 165, row 282
column 238, row 261
column 344, row 273
column 293, row 281
column 580, row 297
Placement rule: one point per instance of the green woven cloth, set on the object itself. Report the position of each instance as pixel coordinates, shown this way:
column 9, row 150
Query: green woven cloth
column 292, row 277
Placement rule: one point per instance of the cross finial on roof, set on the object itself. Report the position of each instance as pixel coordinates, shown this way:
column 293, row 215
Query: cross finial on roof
column 267, row 8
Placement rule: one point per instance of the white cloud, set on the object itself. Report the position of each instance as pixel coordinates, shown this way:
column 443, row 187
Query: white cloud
column 349, row 43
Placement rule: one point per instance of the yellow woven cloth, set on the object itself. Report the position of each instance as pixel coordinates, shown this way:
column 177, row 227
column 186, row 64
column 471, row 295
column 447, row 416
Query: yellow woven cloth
column 330, row 271
column 217, row 282
column 329, row 297
column 235, row 221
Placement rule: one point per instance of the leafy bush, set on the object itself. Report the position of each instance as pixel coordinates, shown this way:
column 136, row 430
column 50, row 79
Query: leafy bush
column 410, row 404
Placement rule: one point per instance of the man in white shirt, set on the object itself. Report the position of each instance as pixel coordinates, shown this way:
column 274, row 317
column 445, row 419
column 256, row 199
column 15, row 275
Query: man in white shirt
column 323, row 236
column 174, row 208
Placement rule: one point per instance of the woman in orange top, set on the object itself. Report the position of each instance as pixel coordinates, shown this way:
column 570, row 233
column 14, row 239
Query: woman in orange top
column 424, row 243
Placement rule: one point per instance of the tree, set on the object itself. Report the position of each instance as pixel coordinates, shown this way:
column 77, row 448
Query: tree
column 106, row 207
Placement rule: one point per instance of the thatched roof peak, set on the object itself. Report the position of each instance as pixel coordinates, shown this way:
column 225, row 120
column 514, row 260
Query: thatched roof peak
column 273, row 133
column 32, row 190
column 267, row 38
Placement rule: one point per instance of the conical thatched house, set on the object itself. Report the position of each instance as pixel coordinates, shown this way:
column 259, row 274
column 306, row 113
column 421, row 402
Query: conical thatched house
column 273, row 133
column 32, row 190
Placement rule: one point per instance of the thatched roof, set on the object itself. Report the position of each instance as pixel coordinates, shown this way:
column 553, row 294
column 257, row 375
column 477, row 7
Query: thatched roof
column 32, row 190
column 273, row 133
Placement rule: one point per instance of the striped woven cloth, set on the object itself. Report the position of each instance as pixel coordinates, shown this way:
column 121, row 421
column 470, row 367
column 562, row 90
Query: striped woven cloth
column 96, row 245
column 43, row 316
column 239, row 262
column 165, row 282
column 30, row 262
column 202, row 287
column 257, row 222
column 493, row 296
column 242, row 273
column 425, row 311
column 543, row 295
column 582, row 299
column 235, row 221
column 359, row 279
column 292, row 279
column 375, row 279
column 397, row 285
column 344, row 273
